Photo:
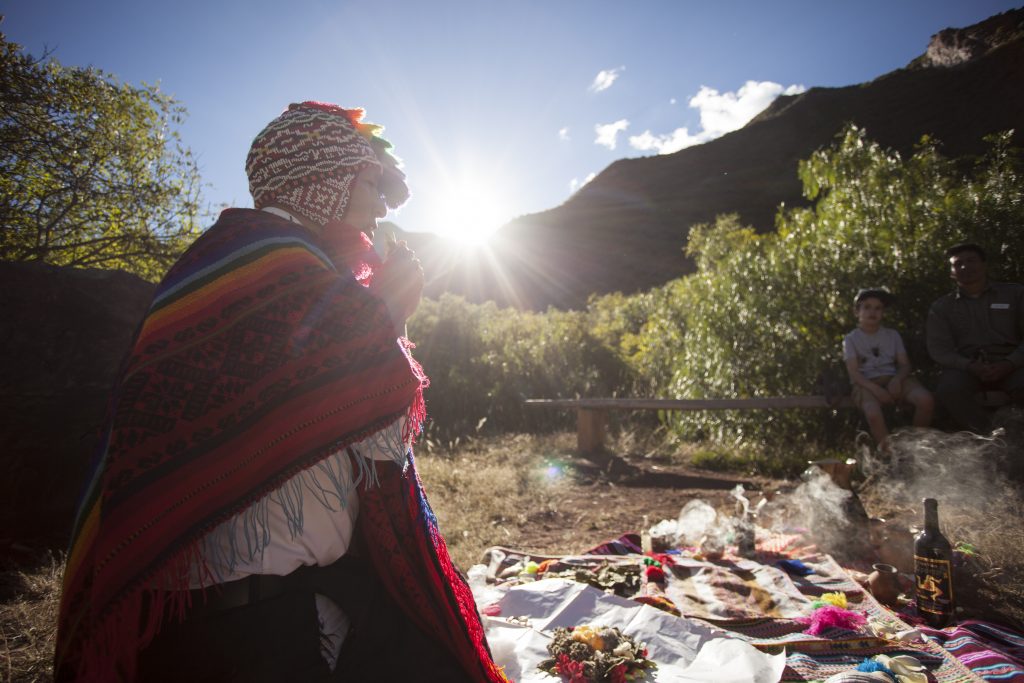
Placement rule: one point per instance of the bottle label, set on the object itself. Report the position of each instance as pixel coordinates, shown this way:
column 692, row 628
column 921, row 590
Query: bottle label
column 934, row 585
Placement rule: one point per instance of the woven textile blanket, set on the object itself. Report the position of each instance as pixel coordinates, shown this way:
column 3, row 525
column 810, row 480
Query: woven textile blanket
column 261, row 355
column 993, row 652
column 759, row 601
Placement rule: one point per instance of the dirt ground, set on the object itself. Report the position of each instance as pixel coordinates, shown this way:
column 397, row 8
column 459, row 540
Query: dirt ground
column 624, row 494
column 603, row 500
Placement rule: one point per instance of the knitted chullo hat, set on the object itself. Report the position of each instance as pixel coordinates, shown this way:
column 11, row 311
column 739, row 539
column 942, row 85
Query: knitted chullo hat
column 307, row 158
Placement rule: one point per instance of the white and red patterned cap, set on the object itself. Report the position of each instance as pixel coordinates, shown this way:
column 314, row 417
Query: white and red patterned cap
column 307, row 158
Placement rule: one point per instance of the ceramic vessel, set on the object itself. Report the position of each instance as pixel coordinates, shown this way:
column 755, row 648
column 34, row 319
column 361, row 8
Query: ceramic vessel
column 884, row 583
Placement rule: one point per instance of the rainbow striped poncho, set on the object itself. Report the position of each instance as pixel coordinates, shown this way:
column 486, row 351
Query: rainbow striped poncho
column 258, row 358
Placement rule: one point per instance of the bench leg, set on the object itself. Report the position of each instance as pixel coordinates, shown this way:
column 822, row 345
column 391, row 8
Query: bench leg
column 590, row 429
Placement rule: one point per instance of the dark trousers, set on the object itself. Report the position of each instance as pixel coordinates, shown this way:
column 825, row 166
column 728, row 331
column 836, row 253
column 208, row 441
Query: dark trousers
column 956, row 392
column 265, row 642
column 278, row 640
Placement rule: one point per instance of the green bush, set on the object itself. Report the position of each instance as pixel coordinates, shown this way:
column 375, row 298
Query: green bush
column 763, row 315
column 484, row 362
column 93, row 173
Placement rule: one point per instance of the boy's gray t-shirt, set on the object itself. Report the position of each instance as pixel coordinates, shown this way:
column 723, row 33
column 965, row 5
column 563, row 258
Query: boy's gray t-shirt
column 876, row 353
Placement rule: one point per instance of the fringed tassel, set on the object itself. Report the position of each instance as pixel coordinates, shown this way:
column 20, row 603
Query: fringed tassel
column 418, row 408
column 109, row 653
column 244, row 536
column 129, row 625
column 112, row 651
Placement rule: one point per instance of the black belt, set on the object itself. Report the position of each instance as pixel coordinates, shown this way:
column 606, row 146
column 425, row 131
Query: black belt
column 234, row 594
column 347, row 582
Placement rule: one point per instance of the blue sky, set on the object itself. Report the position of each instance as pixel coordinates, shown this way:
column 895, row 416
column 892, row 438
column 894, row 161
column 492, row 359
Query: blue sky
column 497, row 108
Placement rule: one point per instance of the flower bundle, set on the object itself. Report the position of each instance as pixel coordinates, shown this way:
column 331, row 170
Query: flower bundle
column 595, row 654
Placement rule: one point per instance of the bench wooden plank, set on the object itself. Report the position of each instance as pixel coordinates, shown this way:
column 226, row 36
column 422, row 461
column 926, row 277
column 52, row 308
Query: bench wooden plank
column 760, row 402
column 592, row 418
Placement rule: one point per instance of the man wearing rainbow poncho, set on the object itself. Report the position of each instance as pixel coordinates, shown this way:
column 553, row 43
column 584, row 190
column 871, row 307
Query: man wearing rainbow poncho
column 256, row 513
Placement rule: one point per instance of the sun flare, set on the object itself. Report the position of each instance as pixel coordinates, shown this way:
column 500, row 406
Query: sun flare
column 469, row 214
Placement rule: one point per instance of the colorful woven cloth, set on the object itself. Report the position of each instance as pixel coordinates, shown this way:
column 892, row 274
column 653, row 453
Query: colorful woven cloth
column 757, row 601
column 993, row 652
column 258, row 358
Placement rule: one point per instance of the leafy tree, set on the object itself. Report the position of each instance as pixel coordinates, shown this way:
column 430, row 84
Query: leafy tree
column 92, row 171
column 765, row 314
column 762, row 315
column 484, row 361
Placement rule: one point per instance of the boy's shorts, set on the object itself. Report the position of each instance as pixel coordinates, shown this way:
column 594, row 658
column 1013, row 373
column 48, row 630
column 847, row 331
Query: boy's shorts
column 859, row 394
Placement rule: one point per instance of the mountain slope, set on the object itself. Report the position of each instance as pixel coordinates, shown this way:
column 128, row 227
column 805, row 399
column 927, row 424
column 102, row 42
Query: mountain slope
column 626, row 230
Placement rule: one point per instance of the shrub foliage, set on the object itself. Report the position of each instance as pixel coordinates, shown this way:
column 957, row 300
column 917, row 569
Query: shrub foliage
column 92, row 171
column 763, row 315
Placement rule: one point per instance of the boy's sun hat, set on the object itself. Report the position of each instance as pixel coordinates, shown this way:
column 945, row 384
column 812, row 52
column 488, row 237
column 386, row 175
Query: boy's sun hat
column 880, row 293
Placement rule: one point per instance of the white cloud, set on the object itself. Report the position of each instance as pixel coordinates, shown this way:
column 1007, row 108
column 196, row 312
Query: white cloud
column 720, row 113
column 563, row 133
column 672, row 101
column 666, row 144
column 604, row 79
column 607, row 133
column 575, row 184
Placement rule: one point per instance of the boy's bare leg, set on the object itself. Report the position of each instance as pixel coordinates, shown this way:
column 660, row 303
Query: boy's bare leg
column 924, row 405
column 876, row 421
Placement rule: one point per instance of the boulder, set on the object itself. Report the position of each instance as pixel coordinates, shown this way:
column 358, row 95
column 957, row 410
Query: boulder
column 66, row 332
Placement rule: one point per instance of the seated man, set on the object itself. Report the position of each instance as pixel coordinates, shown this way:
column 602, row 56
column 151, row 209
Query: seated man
column 976, row 334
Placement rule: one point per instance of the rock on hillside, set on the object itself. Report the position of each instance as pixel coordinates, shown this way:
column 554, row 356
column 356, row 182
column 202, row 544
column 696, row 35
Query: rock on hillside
column 626, row 230
column 952, row 46
column 65, row 334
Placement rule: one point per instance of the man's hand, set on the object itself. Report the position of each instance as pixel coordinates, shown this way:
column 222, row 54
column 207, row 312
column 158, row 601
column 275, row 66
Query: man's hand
column 978, row 369
column 399, row 282
column 994, row 372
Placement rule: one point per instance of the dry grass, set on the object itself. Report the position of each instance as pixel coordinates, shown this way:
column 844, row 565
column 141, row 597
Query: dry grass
column 994, row 581
column 492, row 492
column 29, row 598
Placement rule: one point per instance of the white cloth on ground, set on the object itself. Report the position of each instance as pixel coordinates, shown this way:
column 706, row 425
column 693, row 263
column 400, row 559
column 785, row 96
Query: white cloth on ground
column 685, row 650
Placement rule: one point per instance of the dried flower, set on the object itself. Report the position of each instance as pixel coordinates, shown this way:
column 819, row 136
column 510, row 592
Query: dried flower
column 595, row 654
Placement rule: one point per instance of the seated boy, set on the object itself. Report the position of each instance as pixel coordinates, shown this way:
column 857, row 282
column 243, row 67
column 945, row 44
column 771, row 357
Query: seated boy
column 880, row 368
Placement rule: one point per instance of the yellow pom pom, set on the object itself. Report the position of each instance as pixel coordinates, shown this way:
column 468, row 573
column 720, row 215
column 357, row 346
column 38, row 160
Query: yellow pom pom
column 837, row 599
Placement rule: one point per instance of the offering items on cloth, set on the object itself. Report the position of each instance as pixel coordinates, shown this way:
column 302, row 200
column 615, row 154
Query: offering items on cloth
column 595, row 654
column 685, row 650
column 734, row 608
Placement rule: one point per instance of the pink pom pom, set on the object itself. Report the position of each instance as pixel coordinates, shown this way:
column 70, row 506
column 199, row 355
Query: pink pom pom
column 492, row 610
column 831, row 616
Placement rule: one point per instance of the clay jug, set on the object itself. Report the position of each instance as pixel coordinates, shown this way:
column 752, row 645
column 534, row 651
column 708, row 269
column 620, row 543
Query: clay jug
column 884, row 583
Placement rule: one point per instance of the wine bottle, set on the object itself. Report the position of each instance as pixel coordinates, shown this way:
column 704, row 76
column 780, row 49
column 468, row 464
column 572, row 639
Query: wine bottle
column 933, row 570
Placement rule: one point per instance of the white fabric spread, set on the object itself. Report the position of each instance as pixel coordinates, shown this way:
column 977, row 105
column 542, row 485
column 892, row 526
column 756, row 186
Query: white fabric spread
column 684, row 650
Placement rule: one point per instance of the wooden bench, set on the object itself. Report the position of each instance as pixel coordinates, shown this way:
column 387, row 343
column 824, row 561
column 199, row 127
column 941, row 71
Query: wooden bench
column 592, row 413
